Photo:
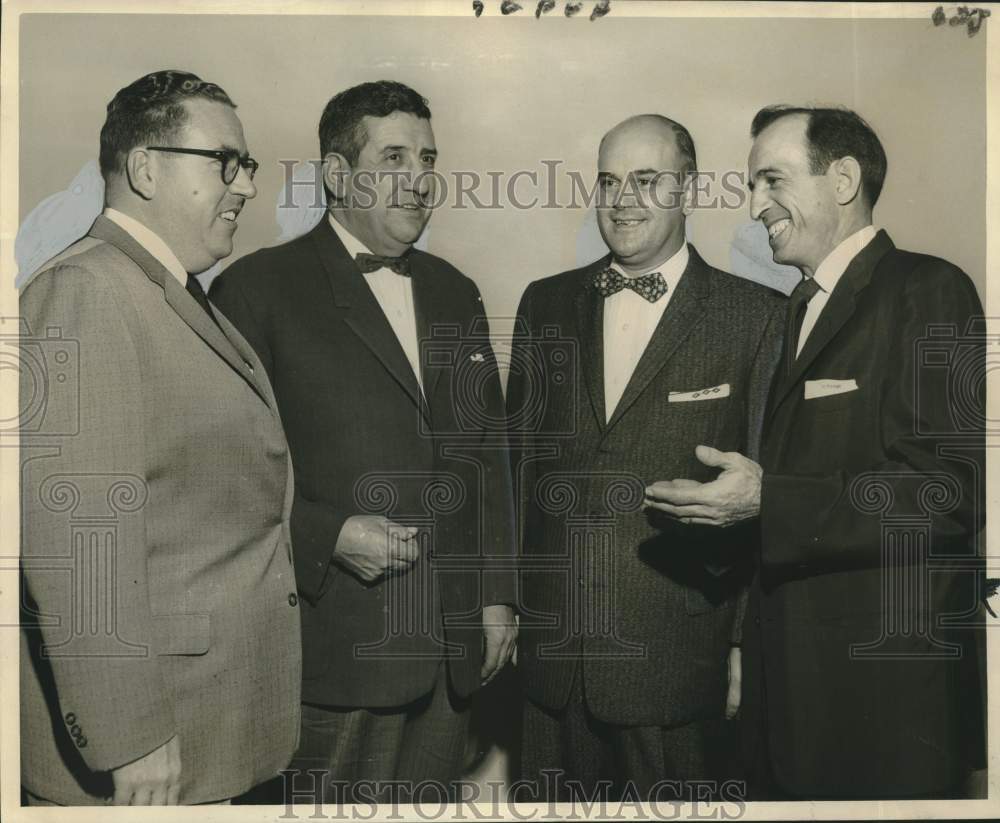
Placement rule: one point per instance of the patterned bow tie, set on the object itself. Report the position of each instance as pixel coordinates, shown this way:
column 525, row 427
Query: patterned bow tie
column 373, row 262
column 651, row 286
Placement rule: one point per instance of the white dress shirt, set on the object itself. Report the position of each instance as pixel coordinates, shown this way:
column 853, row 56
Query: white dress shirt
column 394, row 294
column 629, row 323
column 828, row 274
column 150, row 241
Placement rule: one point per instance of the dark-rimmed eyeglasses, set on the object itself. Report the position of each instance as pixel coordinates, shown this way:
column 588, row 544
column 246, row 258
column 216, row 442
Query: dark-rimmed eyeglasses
column 231, row 160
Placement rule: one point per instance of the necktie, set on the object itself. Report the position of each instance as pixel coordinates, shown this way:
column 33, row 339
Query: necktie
column 373, row 262
column 651, row 286
column 797, row 302
column 198, row 293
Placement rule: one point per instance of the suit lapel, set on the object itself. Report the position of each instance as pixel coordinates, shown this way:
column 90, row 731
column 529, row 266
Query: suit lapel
column 178, row 298
column 837, row 311
column 686, row 308
column 363, row 314
column 590, row 333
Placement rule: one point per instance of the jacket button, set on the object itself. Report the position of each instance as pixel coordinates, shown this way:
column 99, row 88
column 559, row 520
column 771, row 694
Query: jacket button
column 76, row 731
column 70, row 718
column 756, row 620
column 81, row 742
column 293, row 599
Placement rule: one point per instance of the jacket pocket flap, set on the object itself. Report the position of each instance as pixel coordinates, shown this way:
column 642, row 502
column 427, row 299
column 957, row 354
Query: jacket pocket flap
column 182, row 633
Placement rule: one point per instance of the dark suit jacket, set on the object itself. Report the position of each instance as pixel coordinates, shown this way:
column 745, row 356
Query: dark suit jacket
column 846, row 476
column 632, row 599
column 364, row 441
column 156, row 493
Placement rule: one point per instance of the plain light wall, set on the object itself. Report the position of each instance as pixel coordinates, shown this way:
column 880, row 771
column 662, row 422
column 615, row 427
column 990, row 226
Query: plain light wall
column 506, row 93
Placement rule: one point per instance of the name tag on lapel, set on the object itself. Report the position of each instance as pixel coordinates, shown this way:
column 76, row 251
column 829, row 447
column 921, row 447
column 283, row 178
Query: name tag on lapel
column 824, row 388
column 713, row 393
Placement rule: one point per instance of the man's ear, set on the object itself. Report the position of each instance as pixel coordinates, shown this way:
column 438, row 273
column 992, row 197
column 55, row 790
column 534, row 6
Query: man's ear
column 140, row 173
column 847, row 179
column 335, row 172
column 690, row 193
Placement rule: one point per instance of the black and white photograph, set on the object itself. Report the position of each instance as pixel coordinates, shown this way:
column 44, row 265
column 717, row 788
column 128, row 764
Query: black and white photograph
column 479, row 409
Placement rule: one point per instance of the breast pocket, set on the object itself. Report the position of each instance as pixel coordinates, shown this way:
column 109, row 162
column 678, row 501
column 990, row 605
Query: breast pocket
column 832, row 402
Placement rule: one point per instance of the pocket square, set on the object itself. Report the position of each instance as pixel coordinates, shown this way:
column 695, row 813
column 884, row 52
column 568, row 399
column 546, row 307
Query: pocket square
column 713, row 393
column 824, row 388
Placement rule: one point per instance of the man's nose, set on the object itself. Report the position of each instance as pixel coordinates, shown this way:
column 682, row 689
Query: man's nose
column 759, row 201
column 243, row 184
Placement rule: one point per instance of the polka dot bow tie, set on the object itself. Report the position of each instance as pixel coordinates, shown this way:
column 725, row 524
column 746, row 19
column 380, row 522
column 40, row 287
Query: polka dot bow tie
column 651, row 286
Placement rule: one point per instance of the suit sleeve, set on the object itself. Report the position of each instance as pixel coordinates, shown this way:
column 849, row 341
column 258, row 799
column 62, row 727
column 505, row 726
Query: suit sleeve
column 500, row 583
column 519, row 427
column 807, row 519
column 315, row 524
column 99, row 641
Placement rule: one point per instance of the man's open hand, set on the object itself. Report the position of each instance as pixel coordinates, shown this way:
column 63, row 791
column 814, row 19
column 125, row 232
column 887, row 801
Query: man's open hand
column 371, row 546
column 732, row 497
column 153, row 780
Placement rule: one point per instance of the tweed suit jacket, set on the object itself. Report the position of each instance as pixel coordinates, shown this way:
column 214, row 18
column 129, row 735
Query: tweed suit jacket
column 157, row 570
column 859, row 650
column 366, row 440
column 648, row 607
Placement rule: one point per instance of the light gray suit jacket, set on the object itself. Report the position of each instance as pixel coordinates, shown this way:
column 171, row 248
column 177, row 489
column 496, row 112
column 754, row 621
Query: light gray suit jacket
column 156, row 487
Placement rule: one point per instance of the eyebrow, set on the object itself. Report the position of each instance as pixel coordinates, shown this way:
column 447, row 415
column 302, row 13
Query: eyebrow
column 406, row 148
column 762, row 173
column 634, row 172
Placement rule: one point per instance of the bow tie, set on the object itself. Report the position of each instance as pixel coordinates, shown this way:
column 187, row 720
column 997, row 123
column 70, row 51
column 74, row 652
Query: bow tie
column 373, row 262
column 651, row 286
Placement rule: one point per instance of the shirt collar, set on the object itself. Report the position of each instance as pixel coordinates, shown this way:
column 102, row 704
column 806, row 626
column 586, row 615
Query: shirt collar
column 351, row 243
column 671, row 269
column 150, row 241
column 836, row 262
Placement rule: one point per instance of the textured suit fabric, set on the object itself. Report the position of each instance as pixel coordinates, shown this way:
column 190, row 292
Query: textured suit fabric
column 647, row 608
column 365, row 441
column 838, row 470
column 156, row 497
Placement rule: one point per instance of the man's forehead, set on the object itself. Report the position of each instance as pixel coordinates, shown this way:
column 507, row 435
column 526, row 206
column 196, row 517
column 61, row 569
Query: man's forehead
column 631, row 153
column 214, row 123
column 398, row 129
column 781, row 141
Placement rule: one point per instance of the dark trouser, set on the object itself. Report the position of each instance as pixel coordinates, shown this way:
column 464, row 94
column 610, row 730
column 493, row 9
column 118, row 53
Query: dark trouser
column 358, row 751
column 685, row 762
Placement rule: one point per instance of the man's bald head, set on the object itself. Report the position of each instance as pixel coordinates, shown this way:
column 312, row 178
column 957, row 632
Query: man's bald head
column 656, row 127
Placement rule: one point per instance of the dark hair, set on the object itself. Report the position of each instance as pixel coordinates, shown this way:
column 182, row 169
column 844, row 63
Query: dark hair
column 151, row 110
column 341, row 129
column 685, row 146
column 834, row 133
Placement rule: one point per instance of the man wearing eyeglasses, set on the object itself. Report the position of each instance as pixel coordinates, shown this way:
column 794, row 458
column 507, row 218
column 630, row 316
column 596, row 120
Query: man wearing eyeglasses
column 160, row 656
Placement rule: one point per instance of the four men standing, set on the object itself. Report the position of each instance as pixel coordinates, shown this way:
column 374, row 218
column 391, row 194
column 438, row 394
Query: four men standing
column 801, row 428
